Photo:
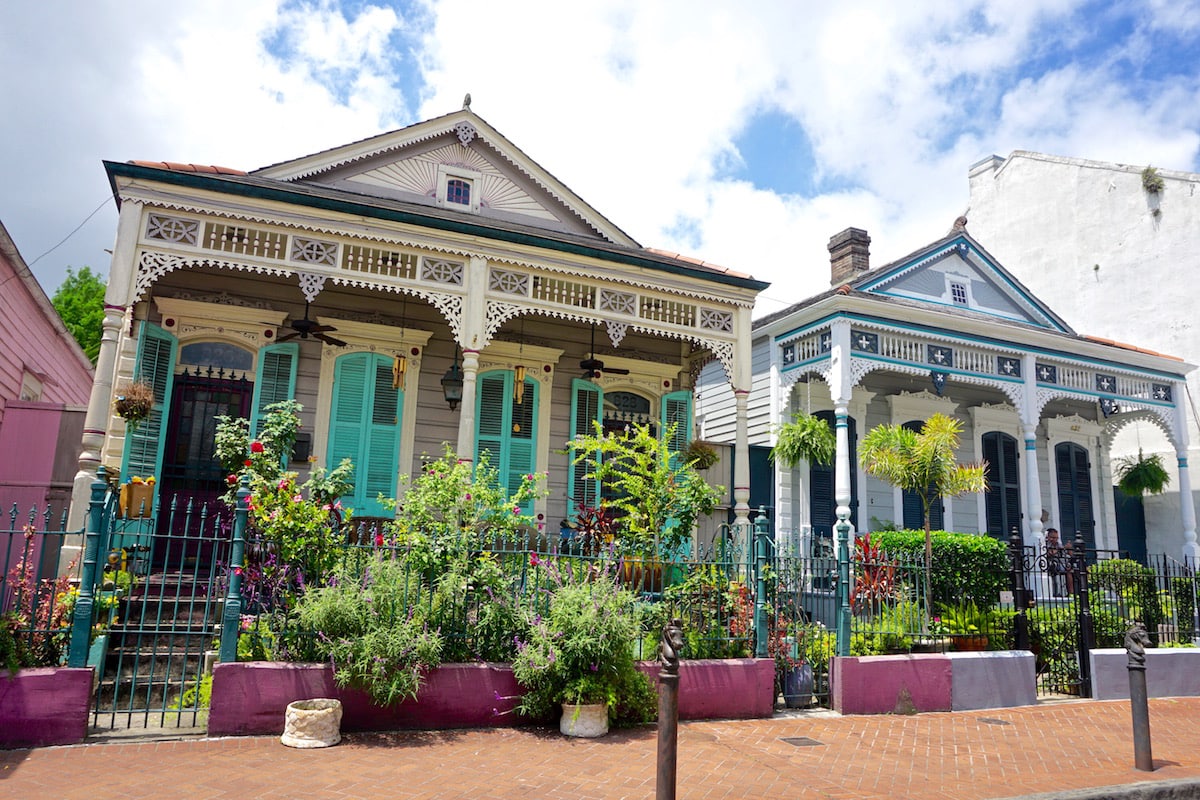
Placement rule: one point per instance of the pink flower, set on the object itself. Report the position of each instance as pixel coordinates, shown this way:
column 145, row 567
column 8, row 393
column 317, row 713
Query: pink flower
column 534, row 560
column 379, row 540
column 231, row 480
column 256, row 447
column 237, row 570
column 283, row 482
column 248, row 463
column 468, row 496
column 516, row 509
column 296, row 498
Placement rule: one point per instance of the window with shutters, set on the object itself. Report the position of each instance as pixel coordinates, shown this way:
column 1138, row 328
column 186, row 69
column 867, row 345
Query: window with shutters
column 157, row 352
column 364, row 426
column 1073, row 471
column 507, row 428
column 275, row 381
column 822, row 498
column 913, row 509
column 586, row 401
column 1002, row 500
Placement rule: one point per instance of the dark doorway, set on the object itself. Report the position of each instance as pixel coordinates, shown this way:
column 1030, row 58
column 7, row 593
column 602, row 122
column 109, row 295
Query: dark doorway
column 1131, row 525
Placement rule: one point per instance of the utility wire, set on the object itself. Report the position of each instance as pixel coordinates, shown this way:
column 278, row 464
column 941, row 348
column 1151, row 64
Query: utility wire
column 103, row 203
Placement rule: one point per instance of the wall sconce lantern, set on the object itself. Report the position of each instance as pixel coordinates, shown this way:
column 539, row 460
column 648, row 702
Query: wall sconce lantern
column 519, row 385
column 452, row 383
column 399, row 367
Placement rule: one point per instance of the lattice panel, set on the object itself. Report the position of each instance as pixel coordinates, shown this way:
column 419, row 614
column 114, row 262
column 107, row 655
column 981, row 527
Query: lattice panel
column 439, row 270
column 618, row 302
column 714, row 320
column 382, row 263
column 173, row 229
column 507, row 281
column 314, row 251
column 243, row 240
column 671, row 312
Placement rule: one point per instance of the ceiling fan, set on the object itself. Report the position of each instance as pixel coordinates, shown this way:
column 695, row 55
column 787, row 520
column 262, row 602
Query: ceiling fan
column 593, row 367
column 303, row 328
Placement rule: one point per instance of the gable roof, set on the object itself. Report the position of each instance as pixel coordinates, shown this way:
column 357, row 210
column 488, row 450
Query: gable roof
column 405, row 162
column 925, row 276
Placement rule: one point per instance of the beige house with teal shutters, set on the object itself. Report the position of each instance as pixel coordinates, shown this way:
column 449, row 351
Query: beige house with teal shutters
column 428, row 286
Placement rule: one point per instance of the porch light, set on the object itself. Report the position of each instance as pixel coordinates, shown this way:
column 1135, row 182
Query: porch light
column 519, row 385
column 452, row 383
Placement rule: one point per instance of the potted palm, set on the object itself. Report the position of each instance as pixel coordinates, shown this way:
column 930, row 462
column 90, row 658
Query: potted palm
column 578, row 657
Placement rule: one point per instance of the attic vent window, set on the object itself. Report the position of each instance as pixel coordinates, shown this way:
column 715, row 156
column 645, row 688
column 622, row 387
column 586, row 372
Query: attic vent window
column 458, row 191
column 958, row 293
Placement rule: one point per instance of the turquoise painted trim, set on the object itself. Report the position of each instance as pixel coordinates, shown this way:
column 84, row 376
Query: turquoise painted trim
column 256, row 405
column 150, row 332
column 882, row 360
column 234, row 185
column 994, row 266
column 1031, row 444
column 1002, row 343
column 364, row 436
column 931, row 302
column 1183, row 462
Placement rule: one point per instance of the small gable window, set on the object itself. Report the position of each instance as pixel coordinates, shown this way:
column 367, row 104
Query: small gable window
column 958, row 293
column 458, row 191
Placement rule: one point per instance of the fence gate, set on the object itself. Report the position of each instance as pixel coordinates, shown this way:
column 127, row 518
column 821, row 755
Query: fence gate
column 158, row 589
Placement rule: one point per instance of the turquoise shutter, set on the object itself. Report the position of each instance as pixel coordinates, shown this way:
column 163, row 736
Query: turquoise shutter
column 364, row 426
column 156, row 366
column 276, row 379
column 586, row 402
column 677, row 410
column 381, row 461
column 506, row 429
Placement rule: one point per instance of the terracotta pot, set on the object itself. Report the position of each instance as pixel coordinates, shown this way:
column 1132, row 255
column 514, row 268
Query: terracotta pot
column 584, row 720
column 971, row 643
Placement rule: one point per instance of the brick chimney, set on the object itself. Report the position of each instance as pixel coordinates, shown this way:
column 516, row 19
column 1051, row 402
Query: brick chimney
column 849, row 255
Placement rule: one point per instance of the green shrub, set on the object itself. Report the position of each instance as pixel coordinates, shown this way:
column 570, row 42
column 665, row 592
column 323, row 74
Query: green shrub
column 1183, row 592
column 372, row 630
column 1135, row 590
column 966, row 567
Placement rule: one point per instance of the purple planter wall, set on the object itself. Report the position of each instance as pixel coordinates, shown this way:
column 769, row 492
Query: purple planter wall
column 905, row 684
column 41, row 707
column 252, row 697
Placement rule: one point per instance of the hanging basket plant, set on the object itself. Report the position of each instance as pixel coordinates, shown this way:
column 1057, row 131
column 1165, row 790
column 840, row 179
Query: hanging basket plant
column 134, row 401
column 700, row 455
column 1142, row 475
column 805, row 438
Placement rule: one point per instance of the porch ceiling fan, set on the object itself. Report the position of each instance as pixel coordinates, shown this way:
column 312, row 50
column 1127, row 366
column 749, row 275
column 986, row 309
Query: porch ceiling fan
column 304, row 328
column 593, row 367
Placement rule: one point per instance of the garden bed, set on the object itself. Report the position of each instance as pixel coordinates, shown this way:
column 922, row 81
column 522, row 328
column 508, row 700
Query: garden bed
column 250, row 698
column 46, row 706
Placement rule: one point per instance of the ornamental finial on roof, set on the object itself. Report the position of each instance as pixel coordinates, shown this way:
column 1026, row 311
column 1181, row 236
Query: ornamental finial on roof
column 960, row 224
column 467, row 101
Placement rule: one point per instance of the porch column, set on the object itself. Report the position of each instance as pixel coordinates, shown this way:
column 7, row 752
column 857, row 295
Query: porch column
column 117, row 297
column 840, row 389
column 1187, row 504
column 466, row 410
column 1033, row 483
column 472, row 338
column 742, row 378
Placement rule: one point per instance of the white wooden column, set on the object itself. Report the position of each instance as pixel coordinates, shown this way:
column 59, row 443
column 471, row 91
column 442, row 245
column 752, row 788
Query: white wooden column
column 472, row 339
column 840, row 389
column 742, row 379
column 1029, row 412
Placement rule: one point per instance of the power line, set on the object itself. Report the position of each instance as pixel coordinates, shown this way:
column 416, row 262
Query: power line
column 103, row 203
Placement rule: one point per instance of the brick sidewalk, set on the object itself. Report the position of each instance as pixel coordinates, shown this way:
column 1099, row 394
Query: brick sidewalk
column 980, row 754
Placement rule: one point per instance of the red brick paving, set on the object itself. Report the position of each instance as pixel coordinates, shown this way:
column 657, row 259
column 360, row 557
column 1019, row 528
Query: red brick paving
column 959, row 755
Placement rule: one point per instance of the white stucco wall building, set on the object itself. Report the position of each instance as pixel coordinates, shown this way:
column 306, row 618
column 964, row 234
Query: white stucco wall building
column 1115, row 260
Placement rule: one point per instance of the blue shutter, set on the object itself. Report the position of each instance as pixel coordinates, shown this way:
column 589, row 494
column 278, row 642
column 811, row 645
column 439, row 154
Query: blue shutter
column 489, row 416
column 364, row 426
column 1003, row 497
column 914, row 509
column 586, row 403
column 156, row 366
column 1074, row 473
column 276, row 379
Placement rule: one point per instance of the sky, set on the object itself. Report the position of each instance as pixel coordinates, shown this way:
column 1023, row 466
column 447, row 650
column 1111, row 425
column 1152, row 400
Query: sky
column 744, row 134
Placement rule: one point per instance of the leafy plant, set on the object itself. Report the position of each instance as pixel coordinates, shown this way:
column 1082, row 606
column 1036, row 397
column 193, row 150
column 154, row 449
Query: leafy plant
column 79, row 301
column 923, row 463
column 805, row 439
column 1141, row 475
column 580, row 651
column 134, row 401
column 657, row 494
column 1135, row 588
column 874, row 577
column 371, row 629
column 700, row 455
column 966, row 566
column 1152, row 182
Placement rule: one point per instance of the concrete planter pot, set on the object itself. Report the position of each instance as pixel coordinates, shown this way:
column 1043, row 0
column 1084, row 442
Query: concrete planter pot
column 585, row 720
column 313, row 723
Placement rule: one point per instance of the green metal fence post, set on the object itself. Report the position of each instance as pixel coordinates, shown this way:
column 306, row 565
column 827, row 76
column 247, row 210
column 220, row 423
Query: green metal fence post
column 843, row 586
column 231, row 619
column 81, row 622
column 760, row 579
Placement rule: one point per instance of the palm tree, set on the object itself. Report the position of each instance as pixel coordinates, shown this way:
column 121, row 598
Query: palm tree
column 923, row 463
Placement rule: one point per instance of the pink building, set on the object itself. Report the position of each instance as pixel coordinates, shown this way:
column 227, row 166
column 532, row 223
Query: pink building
column 45, row 381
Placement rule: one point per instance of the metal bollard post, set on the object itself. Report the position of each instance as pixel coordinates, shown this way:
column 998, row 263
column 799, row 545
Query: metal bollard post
column 668, row 709
column 1136, row 641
